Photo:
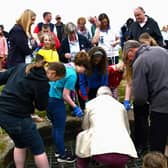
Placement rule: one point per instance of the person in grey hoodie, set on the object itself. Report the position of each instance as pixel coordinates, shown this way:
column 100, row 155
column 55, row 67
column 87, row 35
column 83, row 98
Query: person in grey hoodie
column 150, row 84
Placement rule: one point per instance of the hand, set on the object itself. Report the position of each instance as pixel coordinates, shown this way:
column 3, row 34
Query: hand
column 77, row 112
column 127, row 105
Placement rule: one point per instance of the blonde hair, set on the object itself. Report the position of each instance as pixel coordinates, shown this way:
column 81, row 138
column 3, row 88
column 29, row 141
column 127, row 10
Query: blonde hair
column 146, row 38
column 154, row 160
column 51, row 37
column 25, row 20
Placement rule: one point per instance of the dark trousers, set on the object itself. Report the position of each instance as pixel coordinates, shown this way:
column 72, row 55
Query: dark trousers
column 110, row 159
column 158, row 131
column 141, row 126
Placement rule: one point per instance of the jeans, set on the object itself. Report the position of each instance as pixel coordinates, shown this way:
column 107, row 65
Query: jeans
column 56, row 112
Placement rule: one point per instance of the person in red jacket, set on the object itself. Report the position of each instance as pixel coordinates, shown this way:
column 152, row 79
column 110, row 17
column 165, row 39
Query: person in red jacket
column 115, row 75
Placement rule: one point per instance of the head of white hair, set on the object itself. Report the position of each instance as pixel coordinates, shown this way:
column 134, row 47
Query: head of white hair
column 104, row 90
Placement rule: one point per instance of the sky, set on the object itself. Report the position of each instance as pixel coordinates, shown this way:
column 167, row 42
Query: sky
column 117, row 10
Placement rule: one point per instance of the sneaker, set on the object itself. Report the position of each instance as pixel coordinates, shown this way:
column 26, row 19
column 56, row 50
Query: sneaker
column 56, row 155
column 66, row 159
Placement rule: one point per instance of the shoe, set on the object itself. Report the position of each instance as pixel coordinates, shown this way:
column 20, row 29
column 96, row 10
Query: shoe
column 66, row 159
column 56, row 154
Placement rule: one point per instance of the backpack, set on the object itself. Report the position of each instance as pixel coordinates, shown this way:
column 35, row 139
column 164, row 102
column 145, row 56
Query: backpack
column 50, row 24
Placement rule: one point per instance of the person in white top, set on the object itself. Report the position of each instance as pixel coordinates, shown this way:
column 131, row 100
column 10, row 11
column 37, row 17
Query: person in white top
column 164, row 32
column 106, row 135
column 106, row 38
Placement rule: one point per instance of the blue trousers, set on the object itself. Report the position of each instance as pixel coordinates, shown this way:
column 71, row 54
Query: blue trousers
column 56, row 112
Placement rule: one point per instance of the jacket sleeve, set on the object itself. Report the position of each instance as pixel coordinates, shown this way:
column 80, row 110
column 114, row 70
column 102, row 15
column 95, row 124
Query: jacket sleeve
column 83, row 86
column 41, row 95
column 21, row 41
column 158, row 35
column 140, row 84
column 5, row 75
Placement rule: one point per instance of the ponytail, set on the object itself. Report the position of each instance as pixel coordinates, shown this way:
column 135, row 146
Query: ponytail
column 38, row 64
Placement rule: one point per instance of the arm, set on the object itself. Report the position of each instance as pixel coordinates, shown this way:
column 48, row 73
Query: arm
column 5, row 75
column 95, row 39
column 41, row 95
column 83, row 86
column 128, row 89
column 67, row 97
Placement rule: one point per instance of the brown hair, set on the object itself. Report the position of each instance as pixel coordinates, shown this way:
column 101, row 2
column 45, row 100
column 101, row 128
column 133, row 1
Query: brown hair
column 25, row 21
column 146, row 38
column 58, row 67
column 154, row 160
column 82, row 59
column 102, row 65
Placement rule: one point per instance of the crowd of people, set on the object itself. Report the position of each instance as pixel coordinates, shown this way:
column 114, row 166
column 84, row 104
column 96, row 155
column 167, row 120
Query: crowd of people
column 59, row 65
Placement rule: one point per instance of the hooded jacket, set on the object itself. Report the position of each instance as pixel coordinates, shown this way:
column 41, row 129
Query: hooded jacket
column 23, row 92
column 150, row 79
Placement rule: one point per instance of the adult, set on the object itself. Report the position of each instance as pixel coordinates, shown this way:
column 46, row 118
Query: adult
column 21, row 39
column 26, row 87
column 47, row 17
column 125, row 31
column 144, row 23
column 94, row 23
column 106, row 38
column 164, row 32
column 6, row 34
column 105, row 137
column 72, row 43
column 60, row 26
column 82, row 29
column 149, row 86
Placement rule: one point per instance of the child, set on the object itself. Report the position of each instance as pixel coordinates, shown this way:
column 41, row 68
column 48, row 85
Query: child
column 48, row 51
column 146, row 38
column 59, row 94
column 154, row 160
column 115, row 75
column 96, row 76
column 46, row 29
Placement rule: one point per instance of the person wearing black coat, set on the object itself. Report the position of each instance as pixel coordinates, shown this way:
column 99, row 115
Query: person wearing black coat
column 26, row 88
column 72, row 43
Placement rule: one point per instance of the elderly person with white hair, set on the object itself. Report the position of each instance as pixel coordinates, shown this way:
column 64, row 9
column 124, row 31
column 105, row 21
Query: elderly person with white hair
column 105, row 137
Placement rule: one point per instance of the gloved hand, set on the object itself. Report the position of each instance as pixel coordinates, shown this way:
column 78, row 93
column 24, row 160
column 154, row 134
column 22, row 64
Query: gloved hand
column 127, row 105
column 77, row 112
